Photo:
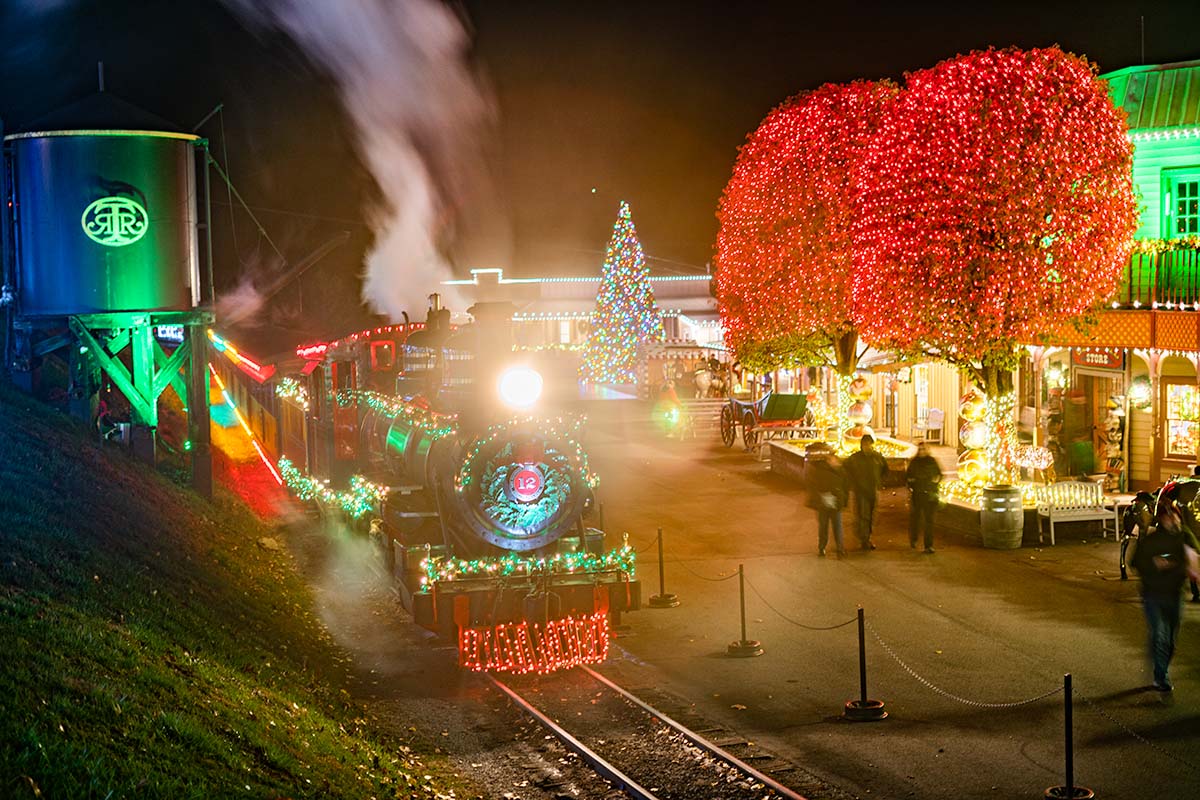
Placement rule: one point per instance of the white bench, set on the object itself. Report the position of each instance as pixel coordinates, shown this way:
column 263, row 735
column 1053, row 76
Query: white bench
column 1075, row 501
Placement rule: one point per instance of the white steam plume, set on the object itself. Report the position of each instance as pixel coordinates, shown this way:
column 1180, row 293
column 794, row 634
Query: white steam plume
column 401, row 69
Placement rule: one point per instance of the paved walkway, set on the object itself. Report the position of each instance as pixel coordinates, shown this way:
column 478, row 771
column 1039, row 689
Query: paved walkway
column 975, row 625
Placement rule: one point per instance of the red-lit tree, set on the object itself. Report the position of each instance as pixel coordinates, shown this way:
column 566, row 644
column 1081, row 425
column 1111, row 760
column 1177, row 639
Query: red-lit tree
column 785, row 253
column 996, row 206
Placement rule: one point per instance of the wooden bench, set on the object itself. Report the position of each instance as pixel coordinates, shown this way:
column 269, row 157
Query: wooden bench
column 1075, row 501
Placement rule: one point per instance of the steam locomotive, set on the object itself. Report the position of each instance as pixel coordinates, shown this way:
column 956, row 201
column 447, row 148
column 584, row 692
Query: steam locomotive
column 435, row 438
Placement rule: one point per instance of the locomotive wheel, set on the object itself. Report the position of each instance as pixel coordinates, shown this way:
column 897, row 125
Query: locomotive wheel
column 728, row 426
column 749, row 437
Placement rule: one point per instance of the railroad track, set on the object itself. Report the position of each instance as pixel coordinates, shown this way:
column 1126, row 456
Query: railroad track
column 636, row 748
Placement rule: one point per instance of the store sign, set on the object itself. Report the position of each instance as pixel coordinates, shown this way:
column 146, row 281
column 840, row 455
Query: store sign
column 115, row 221
column 169, row 333
column 526, row 484
column 1097, row 358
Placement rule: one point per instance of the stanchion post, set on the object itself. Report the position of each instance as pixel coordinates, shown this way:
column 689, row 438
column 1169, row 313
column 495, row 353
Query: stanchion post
column 663, row 599
column 1070, row 791
column 744, row 648
column 863, row 709
column 862, row 656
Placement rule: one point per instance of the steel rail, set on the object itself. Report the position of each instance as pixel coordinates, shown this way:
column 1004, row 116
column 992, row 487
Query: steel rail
column 605, row 769
column 696, row 738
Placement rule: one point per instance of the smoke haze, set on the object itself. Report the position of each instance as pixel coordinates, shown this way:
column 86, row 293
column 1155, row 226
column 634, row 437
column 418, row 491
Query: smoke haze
column 401, row 69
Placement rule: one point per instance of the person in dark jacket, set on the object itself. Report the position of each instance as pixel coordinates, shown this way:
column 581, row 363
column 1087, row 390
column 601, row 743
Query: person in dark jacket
column 826, row 483
column 923, row 476
column 866, row 470
column 1161, row 561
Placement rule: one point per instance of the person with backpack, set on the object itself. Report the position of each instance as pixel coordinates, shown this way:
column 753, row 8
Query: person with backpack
column 1164, row 562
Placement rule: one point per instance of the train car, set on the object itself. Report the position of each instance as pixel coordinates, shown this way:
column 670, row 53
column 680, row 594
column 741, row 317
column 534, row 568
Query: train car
column 438, row 441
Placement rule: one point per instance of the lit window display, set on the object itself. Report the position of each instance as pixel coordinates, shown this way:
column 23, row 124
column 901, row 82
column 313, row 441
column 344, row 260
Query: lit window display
column 1182, row 412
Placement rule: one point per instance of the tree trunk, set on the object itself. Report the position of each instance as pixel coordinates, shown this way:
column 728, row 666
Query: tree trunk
column 997, row 381
column 845, row 354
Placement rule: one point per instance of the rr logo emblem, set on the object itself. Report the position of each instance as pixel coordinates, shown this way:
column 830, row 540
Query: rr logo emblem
column 115, row 221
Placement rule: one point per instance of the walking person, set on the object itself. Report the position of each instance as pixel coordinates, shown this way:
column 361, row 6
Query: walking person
column 923, row 476
column 866, row 470
column 826, row 482
column 1163, row 561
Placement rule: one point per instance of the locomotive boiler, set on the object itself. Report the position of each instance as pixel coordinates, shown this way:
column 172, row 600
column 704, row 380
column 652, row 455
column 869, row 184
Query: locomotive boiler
column 477, row 494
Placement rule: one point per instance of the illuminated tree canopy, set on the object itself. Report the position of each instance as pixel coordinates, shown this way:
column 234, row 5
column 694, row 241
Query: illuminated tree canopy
column 785, row 252
column 995, row 205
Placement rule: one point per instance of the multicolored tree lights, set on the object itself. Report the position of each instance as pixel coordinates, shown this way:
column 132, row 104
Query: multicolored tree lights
column 995, row 206
column 625, row 315
column 785, row 252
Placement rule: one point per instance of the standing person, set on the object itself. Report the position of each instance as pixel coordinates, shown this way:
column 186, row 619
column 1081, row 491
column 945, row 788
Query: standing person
column 1162, row 561
column 923, row 476
column 865, row 469
column 826, row 495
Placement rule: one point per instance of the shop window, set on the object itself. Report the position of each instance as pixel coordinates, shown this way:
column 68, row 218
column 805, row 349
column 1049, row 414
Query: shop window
column 1182, row 403
column 1182, row 205
column 564, row 332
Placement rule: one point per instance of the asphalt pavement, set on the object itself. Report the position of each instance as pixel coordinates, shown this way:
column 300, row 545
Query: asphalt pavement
column 960, row 643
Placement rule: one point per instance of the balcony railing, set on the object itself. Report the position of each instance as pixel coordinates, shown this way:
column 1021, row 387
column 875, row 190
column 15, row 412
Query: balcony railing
column 1168, row 279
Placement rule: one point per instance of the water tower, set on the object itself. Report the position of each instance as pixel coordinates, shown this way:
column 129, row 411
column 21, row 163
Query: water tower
column 101, row 265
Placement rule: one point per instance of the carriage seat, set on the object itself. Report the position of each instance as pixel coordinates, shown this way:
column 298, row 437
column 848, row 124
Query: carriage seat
column 782, row 410
column 1075, row 501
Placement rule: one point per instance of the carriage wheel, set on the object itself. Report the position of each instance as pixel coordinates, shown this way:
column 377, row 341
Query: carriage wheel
column 728, row 426
column 749, row 437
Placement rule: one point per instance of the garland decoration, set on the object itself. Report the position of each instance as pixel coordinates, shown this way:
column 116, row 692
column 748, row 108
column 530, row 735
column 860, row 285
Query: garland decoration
column 294, row 390
column 361, row 497
column 562, row 428
column 434, row 424
column 439, row 568
column 528, row 516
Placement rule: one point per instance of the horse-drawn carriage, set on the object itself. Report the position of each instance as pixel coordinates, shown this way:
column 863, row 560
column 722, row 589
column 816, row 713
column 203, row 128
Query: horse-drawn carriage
column 772, row 416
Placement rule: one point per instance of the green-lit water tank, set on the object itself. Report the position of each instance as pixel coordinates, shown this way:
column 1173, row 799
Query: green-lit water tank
column 104, row 220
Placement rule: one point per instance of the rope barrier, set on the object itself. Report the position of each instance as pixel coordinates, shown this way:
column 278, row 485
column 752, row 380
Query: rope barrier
column 798, row 624
column 1092, row 704
column 938, row 690
column 653, row 542
column 702, row 577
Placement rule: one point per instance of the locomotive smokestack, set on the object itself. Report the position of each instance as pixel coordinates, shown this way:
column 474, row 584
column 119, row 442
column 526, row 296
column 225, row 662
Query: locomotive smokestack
column 435, row 302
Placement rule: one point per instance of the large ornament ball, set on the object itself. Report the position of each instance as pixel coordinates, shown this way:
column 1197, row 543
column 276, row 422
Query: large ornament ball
column 973, row 467
column 855, row 433
column 973, row 435
column 972, row 405
column 860, row 413
column 860, row 389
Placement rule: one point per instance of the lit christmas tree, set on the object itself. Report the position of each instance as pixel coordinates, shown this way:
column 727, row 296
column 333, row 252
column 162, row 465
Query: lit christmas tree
column 625, row 314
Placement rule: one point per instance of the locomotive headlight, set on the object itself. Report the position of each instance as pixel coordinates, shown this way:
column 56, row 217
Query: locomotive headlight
column 520, row 387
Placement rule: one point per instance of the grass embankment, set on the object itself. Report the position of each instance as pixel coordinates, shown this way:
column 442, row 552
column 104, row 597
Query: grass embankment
column 150, row 646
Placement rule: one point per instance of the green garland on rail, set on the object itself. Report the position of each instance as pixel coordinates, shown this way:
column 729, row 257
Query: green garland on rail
column 437, row 568
column 360, row 498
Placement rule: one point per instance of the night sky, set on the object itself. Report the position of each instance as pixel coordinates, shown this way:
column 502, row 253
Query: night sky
column 591, row 103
